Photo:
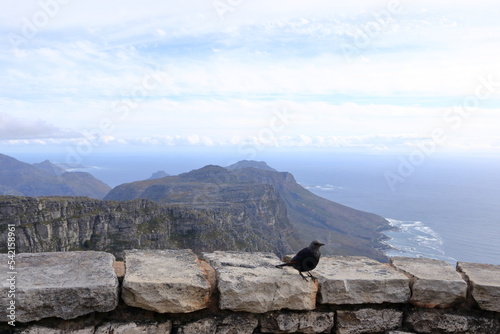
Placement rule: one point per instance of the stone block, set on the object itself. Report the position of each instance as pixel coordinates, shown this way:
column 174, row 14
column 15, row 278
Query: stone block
column 433, row 283
column 294, row 322
column 433, row 321
column 360, row 280
column 60, row 284
column 36, row 329
column 166, row 281
column 205, row 326
column 134, row 328
column 484, row 280
column 245, row 323
column 368, row 321
column 250, row 282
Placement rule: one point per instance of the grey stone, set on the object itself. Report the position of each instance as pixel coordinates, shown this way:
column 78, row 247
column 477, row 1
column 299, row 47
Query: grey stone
column 432, row 321
column 434, row 283
column 484, row 282
column 294, row 322
column 360, row 280
column 37, row 329
column 134, row 328
column 203, row 326
column 60, row 284
column 368, row 321
column 166, row 281
column 249, row 282
column 238, row 324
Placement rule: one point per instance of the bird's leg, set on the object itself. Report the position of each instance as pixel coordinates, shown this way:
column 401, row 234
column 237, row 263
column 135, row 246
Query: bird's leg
column 303, row 277
column 310, row 275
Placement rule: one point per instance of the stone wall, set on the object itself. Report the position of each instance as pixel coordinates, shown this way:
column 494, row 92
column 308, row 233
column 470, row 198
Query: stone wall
column 174, row 291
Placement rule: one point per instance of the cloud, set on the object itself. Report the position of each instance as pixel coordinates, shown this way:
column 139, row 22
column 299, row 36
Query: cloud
column 355, row 74
column 12, row 128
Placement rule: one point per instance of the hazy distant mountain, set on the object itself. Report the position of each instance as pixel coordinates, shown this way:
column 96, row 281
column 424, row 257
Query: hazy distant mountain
column 46, row 179
column 251, row 164
column 9, row 191
column 49, row 167
column 158, row 175
column 345, row 230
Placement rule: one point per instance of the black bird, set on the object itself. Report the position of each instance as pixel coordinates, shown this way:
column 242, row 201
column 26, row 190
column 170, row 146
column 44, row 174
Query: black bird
column 307, row 259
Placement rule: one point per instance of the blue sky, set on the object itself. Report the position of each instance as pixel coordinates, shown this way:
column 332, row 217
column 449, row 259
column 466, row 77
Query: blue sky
column 375, row 76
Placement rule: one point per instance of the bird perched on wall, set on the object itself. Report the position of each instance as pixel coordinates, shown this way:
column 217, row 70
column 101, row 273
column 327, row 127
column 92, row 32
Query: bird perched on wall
column 307, row 259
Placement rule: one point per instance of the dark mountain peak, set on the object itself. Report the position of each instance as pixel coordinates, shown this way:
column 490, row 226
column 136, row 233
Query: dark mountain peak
column 208, row 174
column 158, row 175
column 251, row 164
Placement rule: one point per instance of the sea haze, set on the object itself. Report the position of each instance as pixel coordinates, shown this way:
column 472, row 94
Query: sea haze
column 447, row 208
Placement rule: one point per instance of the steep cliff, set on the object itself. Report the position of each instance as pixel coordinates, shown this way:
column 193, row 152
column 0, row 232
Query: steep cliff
column 79, row 223
column 346, row 231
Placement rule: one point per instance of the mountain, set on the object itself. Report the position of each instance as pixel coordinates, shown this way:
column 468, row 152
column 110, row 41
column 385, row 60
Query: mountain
column 47, row 166
column 251, row 164
column 158, row 175
column 46, row 179
column 345, row 230
column 46, row 224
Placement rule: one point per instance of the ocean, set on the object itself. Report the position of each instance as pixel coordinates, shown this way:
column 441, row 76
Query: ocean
column 444, row 206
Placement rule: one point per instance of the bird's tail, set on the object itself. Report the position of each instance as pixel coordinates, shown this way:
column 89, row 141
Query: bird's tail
column 284, row 265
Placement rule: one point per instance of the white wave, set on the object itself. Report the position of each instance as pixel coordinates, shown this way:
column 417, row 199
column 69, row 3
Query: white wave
column 326, row 187
column 415, row 239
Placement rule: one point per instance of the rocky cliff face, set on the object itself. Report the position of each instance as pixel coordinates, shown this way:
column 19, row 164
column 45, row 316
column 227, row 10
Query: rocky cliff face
column 43, row 224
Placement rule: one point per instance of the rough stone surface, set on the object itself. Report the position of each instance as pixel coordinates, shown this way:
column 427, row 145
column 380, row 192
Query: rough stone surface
column 205, row 326
column 433, row 283
column 428, row 321
column 135, row 328
column 60, row 284
column 293, row 322
column 368, row 321
column 485, row 284
column 36, row 329
column 250, row 282
column 238, row 324
column 165, row 281
column 360, row 280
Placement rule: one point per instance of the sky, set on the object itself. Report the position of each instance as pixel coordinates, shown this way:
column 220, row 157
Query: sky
column 370, row 76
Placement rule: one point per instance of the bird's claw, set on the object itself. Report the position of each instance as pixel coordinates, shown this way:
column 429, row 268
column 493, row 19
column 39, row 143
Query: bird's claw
column 308, row 275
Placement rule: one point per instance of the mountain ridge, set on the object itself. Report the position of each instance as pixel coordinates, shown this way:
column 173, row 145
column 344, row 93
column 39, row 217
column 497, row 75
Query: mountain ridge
column 46, row 179
column 348, row 231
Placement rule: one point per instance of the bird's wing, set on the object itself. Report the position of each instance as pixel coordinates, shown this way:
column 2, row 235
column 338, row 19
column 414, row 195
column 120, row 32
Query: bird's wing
column 300, row 255
column 309, row 263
